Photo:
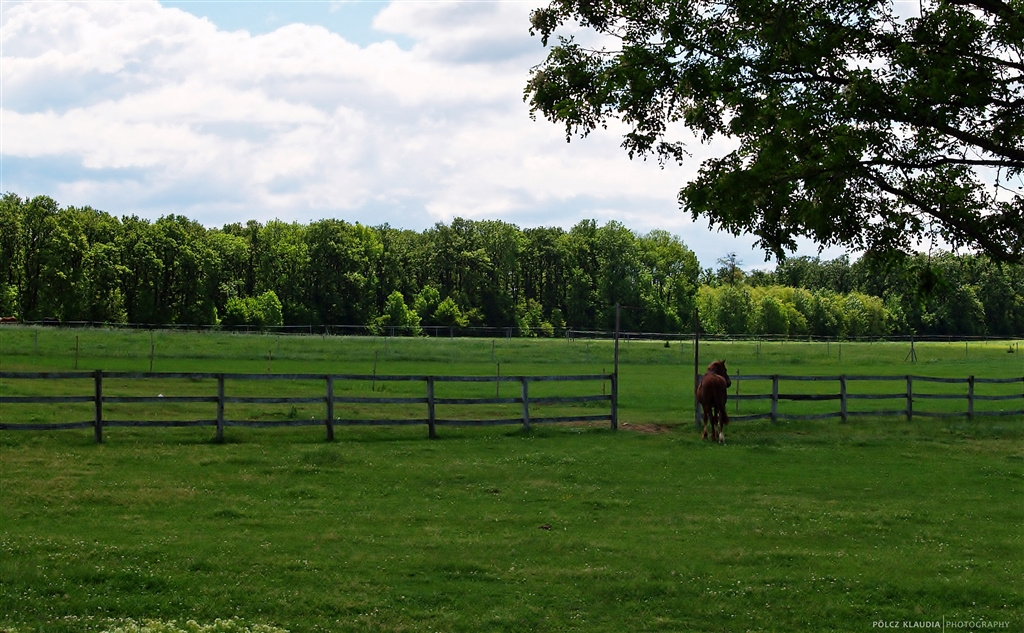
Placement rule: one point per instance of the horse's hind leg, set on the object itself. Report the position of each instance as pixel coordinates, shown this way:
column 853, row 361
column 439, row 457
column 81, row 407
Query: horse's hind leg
column 705, row 418
column 713, row 422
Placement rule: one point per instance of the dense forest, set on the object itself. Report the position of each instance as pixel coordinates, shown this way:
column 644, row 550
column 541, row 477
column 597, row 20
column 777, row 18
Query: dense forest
column 81, row 264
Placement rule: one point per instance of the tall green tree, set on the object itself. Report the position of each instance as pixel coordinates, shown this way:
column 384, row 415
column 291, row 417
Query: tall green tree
column 40, row 239
column 725, row 309
column 342, row 261
column 543, row 266
column 770, row 315
column 618, row 271
column 243, row 272
column 1000, row 290
column 187, row 284
column 283, row 266
column 581, row 293
column 102, row 294
column 730, row 270
column 12, row 254
column 232, row 268
column 500, row 290
column 401, row 265
column 668, row 282
column 97, row 294
column 850, row 123
column 143, row 270
column 450, row 249
column 12, row 251
column 943, row 293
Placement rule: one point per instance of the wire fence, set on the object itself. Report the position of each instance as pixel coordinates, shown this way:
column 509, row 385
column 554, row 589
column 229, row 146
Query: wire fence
column 443, row 331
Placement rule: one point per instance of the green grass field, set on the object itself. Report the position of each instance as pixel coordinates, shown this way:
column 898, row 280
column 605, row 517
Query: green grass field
column 799, row 526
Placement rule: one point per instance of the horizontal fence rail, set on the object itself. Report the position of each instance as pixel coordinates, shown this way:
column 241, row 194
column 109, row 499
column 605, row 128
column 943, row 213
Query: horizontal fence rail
column 906, row 395
column 428, row 401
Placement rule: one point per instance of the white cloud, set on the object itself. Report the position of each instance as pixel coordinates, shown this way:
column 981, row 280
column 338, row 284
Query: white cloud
column 477, row 33
column 136, row 108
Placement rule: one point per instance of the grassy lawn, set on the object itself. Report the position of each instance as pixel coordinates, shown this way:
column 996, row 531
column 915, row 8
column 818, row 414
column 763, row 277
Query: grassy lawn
column 797, row 526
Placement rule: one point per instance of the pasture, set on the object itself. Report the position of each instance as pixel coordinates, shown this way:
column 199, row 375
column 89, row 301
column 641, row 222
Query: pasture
column 808, row 525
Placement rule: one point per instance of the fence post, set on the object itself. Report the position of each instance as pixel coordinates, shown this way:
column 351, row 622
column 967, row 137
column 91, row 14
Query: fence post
column 842, row 399
column 696, row 403
column 910, row 398
column 98, row 424
column 220, row 407
column 970, row 397
column 615, row 401
column 775, row 398
column 526, row 404
column 330, row 408
column 431, row 430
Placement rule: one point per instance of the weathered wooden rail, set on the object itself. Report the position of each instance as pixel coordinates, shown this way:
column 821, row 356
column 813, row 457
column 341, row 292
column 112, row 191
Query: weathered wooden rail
column 907, row 395
column 329, row 399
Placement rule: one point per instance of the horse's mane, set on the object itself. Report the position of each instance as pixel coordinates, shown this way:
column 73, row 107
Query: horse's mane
column 717, row 367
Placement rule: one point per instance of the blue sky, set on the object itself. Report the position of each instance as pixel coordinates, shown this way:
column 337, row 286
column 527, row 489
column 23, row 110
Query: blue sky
column 404, row 112
column 351, row 19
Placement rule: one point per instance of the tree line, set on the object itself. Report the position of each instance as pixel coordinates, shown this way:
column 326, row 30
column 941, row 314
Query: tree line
column 877, row 295
column 81, row 264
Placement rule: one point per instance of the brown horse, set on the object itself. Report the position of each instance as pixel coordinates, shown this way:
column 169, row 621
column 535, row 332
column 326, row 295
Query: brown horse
column 711, row 393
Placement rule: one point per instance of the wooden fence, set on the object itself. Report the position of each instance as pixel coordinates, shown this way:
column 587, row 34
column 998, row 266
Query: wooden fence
column 907, row 395
column 329, row 399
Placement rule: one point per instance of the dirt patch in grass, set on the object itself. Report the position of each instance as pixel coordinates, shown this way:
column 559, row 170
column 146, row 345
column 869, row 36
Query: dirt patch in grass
column 645, row 428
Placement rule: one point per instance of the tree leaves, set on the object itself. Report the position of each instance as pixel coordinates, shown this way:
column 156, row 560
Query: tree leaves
column 855, row 125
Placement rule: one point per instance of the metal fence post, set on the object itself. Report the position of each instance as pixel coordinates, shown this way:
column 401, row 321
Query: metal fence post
column 696, row 403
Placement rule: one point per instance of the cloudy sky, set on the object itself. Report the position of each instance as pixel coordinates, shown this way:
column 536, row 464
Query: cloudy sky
column 406, row 112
